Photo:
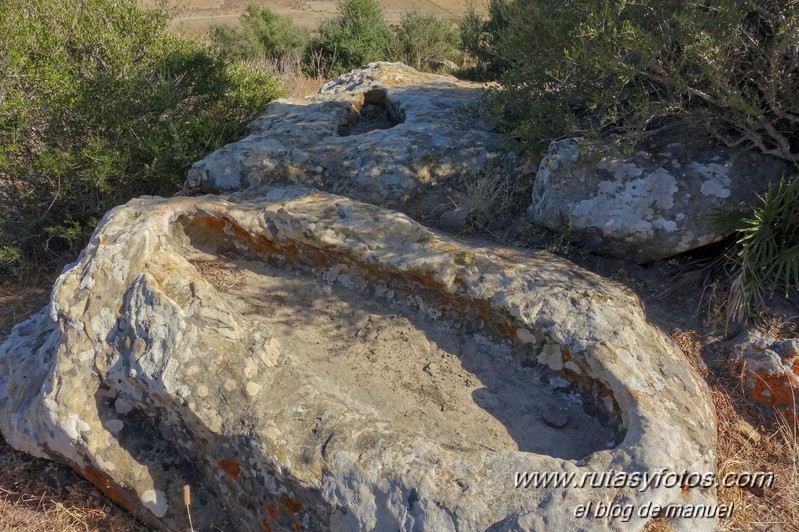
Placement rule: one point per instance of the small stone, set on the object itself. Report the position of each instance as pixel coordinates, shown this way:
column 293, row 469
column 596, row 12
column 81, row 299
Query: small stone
column 787, row 348
column 441, row 65
column 555, row 418
column 122, row 406
column 453, row 221
column 114, row 425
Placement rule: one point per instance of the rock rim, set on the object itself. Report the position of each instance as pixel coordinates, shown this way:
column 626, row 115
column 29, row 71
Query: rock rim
column 100, row 379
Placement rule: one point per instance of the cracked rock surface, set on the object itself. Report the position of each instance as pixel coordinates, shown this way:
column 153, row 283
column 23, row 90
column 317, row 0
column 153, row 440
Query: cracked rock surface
column 384, row 134
column 653, row 202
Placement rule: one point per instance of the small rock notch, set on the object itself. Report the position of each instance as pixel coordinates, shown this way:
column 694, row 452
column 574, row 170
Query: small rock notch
column 375, row 111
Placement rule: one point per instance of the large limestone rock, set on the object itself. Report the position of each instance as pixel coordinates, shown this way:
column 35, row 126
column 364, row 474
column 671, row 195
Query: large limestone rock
column 383, row 134
column 305, row 361
column 652, row 203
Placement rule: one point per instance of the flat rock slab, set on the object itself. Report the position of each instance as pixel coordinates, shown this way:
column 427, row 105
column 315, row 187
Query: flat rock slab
column 384, row 134
column 304, row 360
column 652, row 202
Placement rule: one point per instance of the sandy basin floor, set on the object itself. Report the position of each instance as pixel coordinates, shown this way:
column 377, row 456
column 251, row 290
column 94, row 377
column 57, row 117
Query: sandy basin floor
column 409, row 368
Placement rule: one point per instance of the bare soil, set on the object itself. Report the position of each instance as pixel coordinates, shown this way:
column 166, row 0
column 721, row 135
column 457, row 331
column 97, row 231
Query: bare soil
column 408, row 365
column 197, row 16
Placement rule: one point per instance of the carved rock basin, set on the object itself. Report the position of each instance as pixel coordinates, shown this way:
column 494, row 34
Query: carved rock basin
column 304, row 360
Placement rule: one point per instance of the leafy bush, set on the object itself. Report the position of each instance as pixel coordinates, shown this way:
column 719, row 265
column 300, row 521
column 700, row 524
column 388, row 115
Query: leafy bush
column 582, row 67
column 479, row 38
column 421, row 37
column 357, row 36
column 98, row 103
column 263, row 34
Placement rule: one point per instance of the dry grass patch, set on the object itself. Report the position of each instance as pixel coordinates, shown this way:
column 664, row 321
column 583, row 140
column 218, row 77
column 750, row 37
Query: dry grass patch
column 38, row 495
column 20, row 299
column 288, row 69
column 748, row 441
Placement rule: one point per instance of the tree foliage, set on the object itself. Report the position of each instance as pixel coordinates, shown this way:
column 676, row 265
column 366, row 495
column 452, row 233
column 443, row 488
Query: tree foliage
column 357, row 36
column 583, row 67
column 98, row 103
column 421, row 37
column 263, row 34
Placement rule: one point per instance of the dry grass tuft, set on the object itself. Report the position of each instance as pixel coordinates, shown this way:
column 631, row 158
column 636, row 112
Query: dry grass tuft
column 38, row 495
column 289, row 69
column 221, row 274
column 495, row 195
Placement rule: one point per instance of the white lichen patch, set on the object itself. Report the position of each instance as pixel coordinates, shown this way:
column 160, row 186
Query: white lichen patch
column 718, row 188
column 155, row 501
column 627, row 206
column 114, row 425
column 551, row 356
column 252, row 388
column 718, row 182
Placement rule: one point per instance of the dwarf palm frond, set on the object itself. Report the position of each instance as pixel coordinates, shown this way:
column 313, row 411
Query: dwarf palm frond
column 767, row 252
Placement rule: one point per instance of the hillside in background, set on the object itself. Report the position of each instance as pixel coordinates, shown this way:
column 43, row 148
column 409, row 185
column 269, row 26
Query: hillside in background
column 197, row 16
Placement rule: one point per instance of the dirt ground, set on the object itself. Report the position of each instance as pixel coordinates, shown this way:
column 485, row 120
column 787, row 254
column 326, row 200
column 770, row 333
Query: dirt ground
column 412, row 366
column 197, row 16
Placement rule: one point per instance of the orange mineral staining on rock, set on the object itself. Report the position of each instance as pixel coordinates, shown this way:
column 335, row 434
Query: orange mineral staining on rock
column 271, row 510
column 231, row 467
column 107, row 486
column 291, row 505
column 771, row 379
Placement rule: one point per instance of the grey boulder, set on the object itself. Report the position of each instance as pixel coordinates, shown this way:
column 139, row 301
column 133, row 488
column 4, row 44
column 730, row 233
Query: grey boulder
column 653, row 202
column 384, row 133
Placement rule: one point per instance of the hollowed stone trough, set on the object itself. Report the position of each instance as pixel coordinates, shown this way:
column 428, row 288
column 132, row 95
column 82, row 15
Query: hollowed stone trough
column 305, row 361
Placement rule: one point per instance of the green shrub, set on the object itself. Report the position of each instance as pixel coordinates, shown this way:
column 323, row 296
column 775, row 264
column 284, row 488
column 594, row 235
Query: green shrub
column 479, row 37
column 765, row 258
column 421, row 37
column 98, row 103
column 587, row 67
column 357, row 36
column 263, row 34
